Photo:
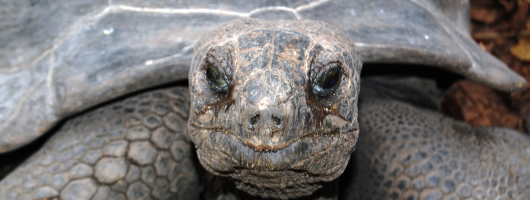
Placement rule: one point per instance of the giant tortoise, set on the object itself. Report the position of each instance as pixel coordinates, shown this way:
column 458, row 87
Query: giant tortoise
column 274, row 107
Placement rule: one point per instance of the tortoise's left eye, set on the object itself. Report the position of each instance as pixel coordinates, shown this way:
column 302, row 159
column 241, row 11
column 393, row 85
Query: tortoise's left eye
column 217, row 81
column 327, row 82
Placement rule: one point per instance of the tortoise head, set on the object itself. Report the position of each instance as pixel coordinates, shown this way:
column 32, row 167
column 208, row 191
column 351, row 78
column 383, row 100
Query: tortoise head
column 274, row 104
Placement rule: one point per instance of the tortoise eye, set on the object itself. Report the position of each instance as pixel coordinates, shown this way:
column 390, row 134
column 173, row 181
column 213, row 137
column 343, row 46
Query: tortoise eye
column 215, row 79
column 328, row 81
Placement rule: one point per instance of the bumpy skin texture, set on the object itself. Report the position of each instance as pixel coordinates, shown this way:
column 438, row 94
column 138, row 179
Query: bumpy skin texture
column 223, row 188
column 61, row 57
column 269, row 132
column 408, row 152
column 137, row 148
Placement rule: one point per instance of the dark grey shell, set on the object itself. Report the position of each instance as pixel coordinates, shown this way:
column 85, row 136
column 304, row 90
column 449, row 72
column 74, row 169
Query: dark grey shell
column 59, row 58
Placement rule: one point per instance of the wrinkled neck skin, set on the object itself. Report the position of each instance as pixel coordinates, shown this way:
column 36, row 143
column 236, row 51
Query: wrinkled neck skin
column 258, row 115
column 218, row 187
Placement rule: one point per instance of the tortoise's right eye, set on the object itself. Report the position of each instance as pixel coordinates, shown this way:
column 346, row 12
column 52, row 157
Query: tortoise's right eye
column 216, row 80
column 327, row 82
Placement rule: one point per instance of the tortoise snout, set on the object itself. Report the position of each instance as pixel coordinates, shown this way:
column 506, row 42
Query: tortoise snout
column 265, row 96
column 264, row 89
column 254, row 120
column 265, row 129
column 275, row 120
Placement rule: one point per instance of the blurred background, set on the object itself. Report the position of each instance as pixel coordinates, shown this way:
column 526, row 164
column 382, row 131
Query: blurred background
column 502, row 28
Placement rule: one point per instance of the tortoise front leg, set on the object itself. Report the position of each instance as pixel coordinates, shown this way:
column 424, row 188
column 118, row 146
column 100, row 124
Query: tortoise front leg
column 137, row 148
column 409, row 152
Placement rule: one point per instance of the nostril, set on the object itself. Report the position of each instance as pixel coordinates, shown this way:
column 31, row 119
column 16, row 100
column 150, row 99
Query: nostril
column 254, row 120
column 277, row 121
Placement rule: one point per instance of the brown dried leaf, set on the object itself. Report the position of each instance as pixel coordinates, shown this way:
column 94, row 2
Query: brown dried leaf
column 508, row 4
column 485, row 3
column 485, row 34
column 484, row 14
column 528, row 22
column 478, row 105
column 519, row 18
column 522, row 50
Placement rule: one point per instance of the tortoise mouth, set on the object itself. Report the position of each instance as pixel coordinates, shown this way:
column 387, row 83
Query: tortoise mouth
column 298, row 168
column 275, row 157
column 260, row 146
column 276, row 147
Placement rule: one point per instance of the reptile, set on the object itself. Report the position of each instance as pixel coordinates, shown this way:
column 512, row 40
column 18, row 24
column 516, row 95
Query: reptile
column 272, row 109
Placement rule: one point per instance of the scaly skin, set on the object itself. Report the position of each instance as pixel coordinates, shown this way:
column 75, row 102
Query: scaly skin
column 404, row 152
column 137, row 148
column 408, row 152
column 270, row 130
column 270, row 133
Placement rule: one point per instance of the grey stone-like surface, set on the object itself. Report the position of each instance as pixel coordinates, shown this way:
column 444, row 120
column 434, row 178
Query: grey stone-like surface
column 45, row 192
column 178, row 150
column 163, row 163
column 62, row 57
column 116, row 148
column 106, row 171
column 81, row 189
column 32, row 28
column 110, row 170
column 80, row 170
column 148, row 175
column 119, row 186
column 58, row 180
column 92, row 156
column 152, row 121
column 102, row 193
column 162, row 138
column 142, row 152
column 137, row 133
column 21, row 91
column 137, row 191
column 411, row 152
column 174, row 123
column 158, row 190
column 133, row 174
